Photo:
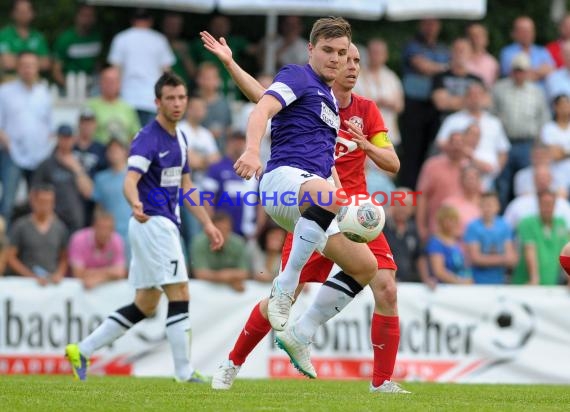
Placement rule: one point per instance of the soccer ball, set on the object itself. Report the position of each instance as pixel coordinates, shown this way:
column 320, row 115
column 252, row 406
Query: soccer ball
column 361, row 221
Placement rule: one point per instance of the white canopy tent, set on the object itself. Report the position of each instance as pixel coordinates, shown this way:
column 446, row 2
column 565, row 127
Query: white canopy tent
column 357, row 9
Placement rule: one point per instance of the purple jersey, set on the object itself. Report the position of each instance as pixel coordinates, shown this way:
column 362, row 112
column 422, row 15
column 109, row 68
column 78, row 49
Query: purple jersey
column 303, row 133
column 161, row 159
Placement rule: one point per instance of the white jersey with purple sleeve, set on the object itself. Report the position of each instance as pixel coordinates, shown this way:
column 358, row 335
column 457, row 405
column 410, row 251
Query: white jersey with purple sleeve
column 303, row 133
column 161, row 159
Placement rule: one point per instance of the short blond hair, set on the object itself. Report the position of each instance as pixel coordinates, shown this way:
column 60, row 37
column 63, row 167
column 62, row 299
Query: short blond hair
column 330, row 28
column 446, row 212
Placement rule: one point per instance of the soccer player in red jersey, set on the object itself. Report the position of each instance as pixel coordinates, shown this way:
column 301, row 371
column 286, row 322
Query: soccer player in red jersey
column 368, row 134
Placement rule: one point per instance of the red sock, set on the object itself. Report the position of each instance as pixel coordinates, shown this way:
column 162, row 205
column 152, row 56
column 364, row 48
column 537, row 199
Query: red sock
column 254, row 330
column 385, row 335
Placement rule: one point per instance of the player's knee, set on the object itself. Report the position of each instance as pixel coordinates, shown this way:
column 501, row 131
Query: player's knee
column 320, row 216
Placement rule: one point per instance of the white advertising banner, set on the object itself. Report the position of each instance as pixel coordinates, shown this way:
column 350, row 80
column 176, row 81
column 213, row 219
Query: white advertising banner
column 199, row 6
column 418, row 9
column 361, row 9
column 454, row 334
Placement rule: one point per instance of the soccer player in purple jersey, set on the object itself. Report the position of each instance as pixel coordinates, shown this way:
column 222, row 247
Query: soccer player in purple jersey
column 304, row 125
column 157, row 169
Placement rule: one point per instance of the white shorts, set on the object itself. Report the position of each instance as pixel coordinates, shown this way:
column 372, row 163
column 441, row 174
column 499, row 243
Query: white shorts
column 287, row 179
column 157, row 258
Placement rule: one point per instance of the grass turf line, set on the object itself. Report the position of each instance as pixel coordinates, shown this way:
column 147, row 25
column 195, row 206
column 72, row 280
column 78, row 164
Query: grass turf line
column 57, row 393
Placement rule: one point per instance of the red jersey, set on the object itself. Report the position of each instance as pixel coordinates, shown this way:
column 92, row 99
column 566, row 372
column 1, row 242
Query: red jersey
column 350, row 166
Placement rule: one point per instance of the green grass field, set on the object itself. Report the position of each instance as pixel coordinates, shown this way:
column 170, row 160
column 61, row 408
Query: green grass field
column 60, row 393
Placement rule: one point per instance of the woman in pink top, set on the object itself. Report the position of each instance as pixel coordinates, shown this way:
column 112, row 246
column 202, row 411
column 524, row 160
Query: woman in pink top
column 481, row 62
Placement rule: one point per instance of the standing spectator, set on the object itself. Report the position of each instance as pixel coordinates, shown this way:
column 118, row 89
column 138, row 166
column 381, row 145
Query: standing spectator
column 3, row 246
column 445, row 257
column 558, row 82
column 290, row 46
column 489, row 244
column 97, row 254
column 20, row 37
column 108, row 189
column 115, row 117
column 555, row 46
column 142, row 54
column 38, row 241
column 449, row 87
column 481, row 63
column 492, row 146
column 423, row 58
column 380, row 84
column 523, row 34
column 439, row 179
column 229, row 188
column 78, row 49
column 71, row 182
column 541, row 239
column 467, row 201
column 522, row 108
column 25, row 128
column 527, row 204
column 218, row 115
column 91, row 154
column 230, row 264
column 172, row 26
column 221, row 26
column 402, row 236
column 266, row 252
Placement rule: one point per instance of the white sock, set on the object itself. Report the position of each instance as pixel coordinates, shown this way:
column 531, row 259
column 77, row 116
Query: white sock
column 331, row 299
column 106, row 333
column 308, row 235
column 179, row 337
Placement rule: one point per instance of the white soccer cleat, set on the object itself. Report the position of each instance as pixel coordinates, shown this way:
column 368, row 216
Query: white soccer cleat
column 299, row 352
column 388, row 387
column 225, row 375
column 278, row 307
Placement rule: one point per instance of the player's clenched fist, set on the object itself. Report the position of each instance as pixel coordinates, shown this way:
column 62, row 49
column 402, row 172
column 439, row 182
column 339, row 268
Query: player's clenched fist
column 248, row 165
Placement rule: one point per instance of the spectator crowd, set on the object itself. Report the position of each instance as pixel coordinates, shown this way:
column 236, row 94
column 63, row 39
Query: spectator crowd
column 485, row 139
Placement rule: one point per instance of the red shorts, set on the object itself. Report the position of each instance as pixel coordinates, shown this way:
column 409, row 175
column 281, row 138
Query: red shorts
column 319, row 267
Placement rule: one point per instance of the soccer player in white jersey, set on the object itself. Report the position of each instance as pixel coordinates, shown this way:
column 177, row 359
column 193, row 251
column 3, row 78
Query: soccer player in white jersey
column 304, row 126
column 371, row 141
column 157, row 163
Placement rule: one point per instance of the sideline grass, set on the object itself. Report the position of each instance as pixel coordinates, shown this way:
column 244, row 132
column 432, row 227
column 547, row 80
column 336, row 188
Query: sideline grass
column 58, row 393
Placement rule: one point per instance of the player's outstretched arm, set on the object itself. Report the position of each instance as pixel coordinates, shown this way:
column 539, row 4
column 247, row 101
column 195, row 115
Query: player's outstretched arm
column 381, row 153
column 246, row 83
column 198, row 210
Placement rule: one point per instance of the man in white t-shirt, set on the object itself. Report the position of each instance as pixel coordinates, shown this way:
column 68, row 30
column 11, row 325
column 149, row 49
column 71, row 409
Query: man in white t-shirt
column 491, row 152
column 142, row 54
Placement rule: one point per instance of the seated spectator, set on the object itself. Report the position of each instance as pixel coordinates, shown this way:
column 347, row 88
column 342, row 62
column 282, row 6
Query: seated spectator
column 108, row 189
column 540, row 156
column 527, row 205
column 21, row 37
column 71, row 183
column 91, row 154
column 229, row 265
column 402, row 236
column 467, row 200
column 439, row 179
column 266, row 252
column 114, row 116
column 78, row 48
column 97, row 253
column 38, row 241
column 556, row 135
column 541, row 238
column 445, row 257
column 3, row 246
column 491, row 151
column 489, row 244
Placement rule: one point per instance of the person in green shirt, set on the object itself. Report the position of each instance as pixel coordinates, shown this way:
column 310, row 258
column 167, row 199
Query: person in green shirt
column 78, row 48
column 115, row 117
column 541, row 238
column 19, row 37
column 229, row 265
column 172, row 25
